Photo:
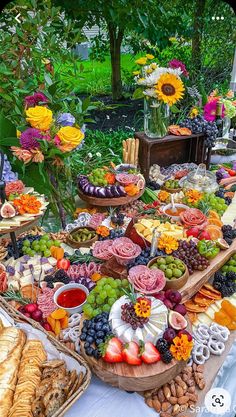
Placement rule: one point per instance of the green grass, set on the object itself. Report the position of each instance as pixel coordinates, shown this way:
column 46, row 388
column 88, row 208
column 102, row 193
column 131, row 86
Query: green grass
column 94, row 77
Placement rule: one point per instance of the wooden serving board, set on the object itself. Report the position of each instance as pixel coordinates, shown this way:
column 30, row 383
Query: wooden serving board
column 196, row 280
column 133, row 378
column 17, row 228
column 107, row 202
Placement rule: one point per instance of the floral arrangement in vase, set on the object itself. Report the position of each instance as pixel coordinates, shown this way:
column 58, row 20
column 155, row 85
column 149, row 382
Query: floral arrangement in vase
column 228, row 108
column 44, row 146
column 162, row 87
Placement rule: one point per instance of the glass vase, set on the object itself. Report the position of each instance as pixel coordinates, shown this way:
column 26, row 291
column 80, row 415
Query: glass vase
column 156, row 118
column 226, row 127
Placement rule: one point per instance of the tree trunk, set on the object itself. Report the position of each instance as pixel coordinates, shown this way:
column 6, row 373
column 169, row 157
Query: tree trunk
column 115, row 37
column 198, row 26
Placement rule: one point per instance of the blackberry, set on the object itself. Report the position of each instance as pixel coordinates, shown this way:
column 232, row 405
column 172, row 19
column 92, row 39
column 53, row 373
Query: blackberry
column 219, row 277
column 60, row 274
column 166, row 357
column 231, row 275
column 226, row 228
column 228, row 200
column 50, row 284
column 48, row 278
column 217, row 285
column 162, row 346
column 220, row 194
column 228, row 240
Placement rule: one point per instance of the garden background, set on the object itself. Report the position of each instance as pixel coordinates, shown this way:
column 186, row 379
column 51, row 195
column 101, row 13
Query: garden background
column 39, row 52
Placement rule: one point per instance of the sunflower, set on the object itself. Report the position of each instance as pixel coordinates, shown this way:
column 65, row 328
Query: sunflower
column 169, row 88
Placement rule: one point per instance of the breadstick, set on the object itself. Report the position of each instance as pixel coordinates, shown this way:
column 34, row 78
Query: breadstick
column 124, row 151
column 136, row 152
column 132, row 152
column 128, row 150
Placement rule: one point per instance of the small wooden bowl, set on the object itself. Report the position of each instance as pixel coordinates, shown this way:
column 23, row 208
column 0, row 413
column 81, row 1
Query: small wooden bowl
column 86, row 243
column 171, row 190
column 174, row 283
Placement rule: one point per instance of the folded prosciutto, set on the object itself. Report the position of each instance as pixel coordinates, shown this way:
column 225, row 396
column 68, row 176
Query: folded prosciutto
column 146, row 280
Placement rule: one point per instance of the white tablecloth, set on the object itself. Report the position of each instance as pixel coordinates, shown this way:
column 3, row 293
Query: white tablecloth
column 102, row 400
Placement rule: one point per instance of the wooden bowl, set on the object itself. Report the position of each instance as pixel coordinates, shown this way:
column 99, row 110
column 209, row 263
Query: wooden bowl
column 108, row 202
column 176, row 283
column 171, row 190
column 86, row 243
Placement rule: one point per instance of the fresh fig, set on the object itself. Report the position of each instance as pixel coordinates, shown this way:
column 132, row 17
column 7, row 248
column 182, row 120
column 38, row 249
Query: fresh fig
column 222, row 244
column 7, row 210
column 181, row 309
column 177, row 321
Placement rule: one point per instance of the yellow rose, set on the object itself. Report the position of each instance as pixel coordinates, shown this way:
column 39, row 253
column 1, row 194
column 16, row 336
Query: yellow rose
column 149, row 56
column 141, row 61
column 39, row 117
column 70, row 136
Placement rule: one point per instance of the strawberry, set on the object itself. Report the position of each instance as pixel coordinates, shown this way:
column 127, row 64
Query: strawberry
column 112, row 350
column 149, row 353
column 130, row 354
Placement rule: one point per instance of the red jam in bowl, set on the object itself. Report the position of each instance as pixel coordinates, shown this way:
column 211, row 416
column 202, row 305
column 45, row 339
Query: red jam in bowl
column 71, row 298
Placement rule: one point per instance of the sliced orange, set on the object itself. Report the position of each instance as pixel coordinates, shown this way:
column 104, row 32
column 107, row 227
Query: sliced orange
column 214, row 231
column 213, row 213
column 215, row 221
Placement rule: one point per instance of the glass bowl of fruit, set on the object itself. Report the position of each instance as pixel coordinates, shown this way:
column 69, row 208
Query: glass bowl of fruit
column 175, row 270
column 171, row 186
column 82, row 237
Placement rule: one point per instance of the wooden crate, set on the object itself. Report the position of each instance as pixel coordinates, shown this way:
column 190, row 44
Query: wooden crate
column 171, row 150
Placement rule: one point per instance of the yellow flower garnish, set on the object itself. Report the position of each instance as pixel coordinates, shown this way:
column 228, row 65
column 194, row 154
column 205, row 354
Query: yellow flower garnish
column 193, row 196
column 149, row 56
column 142, row 308
column 136, row 72
column 169, row 89
column 153, row 65
column 141, row 61
column 181, row 348
column 163, row 195
column 167, row 243
column 193, row 112
column 149, row 70
column 39, row 117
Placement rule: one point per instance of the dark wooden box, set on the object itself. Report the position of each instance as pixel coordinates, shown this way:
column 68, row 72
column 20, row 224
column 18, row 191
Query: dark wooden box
column 171, row 150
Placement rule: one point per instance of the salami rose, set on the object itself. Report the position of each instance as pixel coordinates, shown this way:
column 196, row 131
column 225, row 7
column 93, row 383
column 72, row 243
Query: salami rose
column 193, row 217
column 101, row 249
column 125, row 179
column 124, row 250
column 146, row 280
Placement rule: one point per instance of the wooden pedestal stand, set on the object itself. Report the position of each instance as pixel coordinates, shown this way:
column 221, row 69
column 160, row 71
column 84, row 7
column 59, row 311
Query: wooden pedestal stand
column 171, row 150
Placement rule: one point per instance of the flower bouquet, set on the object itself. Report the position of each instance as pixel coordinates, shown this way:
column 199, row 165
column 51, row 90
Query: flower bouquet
column 162, row 87
column 228, row 108
column 43, row 148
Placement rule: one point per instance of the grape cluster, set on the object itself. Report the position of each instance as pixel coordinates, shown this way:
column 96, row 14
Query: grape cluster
column 129, row 316
column 228, row 233
column 225, row 283
column 104, row 295
column 188, row 253
column 94, row 332
column 59, row 276
column 118, row 219
column 213, row 203
column 153, row 185
column 199, row 125
column 41, row 245
column 144, row 257
column 221, row 193
column 20, row 243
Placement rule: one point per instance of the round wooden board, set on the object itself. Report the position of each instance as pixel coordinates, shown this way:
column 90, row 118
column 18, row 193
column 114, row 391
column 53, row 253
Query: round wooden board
column 16, row 228
column 107, row 202
column 133, row 378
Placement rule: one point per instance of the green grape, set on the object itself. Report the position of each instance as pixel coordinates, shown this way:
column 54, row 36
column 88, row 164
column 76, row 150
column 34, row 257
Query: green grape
column 103, row 281
column 34, row 243
column 96, row 312
column 99, row 300
column 24, row 249
column 114, row 284
column 118, row 281
column 45, row 237
column 56, row 243
column 103, row 294
column 96, row 289
column 106, row 287
column 91, row 298
column 112, row 293
column 43, row 247
column 47, row 253
column 27, row 251
column 32, row 252
column 110, row 281
column 111, row 301
column 26, row 243
column 124, row 282
column 106, row 307
column 49, row 243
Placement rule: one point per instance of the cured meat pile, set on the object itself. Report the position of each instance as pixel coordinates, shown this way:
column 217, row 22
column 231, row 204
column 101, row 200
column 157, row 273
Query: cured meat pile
column 83, row 270
column 146, row 280
column 124, row 250
column 14, row 187
column 101, row 249
column 45, row 301
column 96, row 220
column 193, row 217
column 125, row 179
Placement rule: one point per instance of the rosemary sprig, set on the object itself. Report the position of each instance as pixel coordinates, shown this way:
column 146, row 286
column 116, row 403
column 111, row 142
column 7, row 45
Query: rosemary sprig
column 16, row 296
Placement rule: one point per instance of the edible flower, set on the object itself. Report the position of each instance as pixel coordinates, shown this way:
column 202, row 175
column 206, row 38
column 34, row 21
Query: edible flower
column 132, row 189
column 181, row 348
column 110, row 177
column 193, row 196
column 84, row 210
column 27, row 203
column 193, row 112
column 142, row 307
column 168, row 243
column 103, row 231
column 163, row 195
column 149, row 56
column 141, row 61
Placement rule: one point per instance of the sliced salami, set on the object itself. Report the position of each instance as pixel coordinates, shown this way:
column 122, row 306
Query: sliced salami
column 124, row 250
column 101, row 249
column 126, row 179
column 146, row 280
column 193, row 217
